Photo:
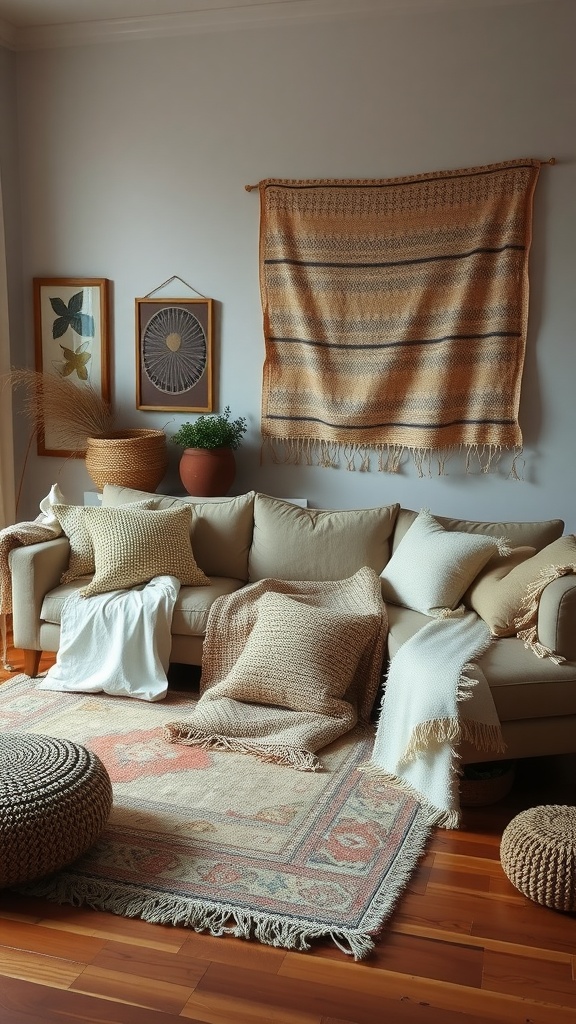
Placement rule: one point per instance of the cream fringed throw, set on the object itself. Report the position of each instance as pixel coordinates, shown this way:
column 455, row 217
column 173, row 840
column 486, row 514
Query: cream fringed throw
column 288, row 667
column 435, row 698
column 374, row 294
column 526, row 624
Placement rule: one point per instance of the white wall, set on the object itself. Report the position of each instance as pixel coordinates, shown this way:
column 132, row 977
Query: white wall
column 134, row 157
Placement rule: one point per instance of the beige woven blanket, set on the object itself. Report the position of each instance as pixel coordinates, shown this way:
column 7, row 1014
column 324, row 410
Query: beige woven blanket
column 288, row 667
column 395, row 316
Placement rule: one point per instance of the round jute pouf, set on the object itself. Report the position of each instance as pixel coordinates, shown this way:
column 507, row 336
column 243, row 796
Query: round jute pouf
column 538, row 854
column 55, row 798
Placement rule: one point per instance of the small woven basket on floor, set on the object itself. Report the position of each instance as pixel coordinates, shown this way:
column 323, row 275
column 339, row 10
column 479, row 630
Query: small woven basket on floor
column 538, row 855
column 486, row 783
column 129, row 458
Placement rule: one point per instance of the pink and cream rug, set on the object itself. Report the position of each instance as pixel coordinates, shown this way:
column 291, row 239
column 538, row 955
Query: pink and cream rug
column 225, row 843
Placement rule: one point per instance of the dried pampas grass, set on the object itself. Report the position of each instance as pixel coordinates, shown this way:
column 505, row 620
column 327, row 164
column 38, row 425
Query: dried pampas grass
column 73, row 413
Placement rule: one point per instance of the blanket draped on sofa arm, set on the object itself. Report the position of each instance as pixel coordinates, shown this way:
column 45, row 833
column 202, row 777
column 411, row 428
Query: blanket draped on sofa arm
column 436, row 697
column 288, row 667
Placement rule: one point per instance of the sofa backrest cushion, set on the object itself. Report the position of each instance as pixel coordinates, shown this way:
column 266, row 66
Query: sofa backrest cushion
column 536, row 535
column 293, row 543
column 221, row 527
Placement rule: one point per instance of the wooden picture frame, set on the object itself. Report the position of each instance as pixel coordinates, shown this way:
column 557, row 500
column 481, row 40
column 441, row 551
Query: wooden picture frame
column 174, row 354
column 71, row 332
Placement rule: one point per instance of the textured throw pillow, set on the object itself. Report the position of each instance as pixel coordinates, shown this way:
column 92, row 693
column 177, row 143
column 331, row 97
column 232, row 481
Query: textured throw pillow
column 72, row 521
column 293, row 543
column 131, row 546
column 500, row 599
column 298, row 656
column 221, row 527
column 433, row 567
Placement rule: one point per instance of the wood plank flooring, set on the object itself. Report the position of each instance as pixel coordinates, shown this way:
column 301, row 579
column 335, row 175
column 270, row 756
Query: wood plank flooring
column 463, row 947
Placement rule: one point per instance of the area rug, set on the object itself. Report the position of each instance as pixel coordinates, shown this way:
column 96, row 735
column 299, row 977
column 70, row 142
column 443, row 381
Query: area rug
column 225, row 843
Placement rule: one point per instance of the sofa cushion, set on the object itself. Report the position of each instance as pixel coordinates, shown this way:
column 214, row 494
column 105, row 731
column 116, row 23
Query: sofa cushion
column 131, row 546
column 536, row 534
column 303, row 639
column 190, row 611
column 432, row 567
column 522, row 685
column 221, row 527
column 293, row 543
column 499, row 600
column 72, row 519
column 194, row 603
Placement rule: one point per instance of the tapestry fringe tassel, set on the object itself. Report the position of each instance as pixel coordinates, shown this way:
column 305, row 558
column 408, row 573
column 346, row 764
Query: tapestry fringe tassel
column 388, row 458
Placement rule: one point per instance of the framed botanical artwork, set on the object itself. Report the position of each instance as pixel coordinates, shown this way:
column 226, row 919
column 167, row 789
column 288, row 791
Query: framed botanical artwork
column 71, row 334
column 174, row 354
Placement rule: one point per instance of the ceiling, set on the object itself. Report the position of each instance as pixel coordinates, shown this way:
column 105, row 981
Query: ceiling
column 33, row 24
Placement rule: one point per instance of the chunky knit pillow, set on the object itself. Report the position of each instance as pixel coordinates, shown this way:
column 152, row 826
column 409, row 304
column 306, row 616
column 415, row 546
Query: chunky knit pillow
column 72, row 521
column 131, row 546
column 432, row 567
column 298, row 656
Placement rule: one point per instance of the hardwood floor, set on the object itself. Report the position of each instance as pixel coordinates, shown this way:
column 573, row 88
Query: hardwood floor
column 463, row 947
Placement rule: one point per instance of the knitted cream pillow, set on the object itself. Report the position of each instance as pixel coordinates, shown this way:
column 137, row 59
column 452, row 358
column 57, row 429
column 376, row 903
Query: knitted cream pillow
column 72, row 521
column 501, row 600
column 131, row 546
column 298, row 656
column 432, row 567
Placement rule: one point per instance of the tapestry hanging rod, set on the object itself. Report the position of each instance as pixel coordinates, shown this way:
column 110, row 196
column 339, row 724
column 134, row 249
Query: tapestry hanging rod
column 551, row 162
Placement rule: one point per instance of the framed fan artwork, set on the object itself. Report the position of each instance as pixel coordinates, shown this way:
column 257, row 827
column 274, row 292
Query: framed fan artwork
column 174, row 354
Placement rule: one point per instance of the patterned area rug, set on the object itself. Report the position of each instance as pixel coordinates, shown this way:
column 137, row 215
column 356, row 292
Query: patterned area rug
column 223, row 842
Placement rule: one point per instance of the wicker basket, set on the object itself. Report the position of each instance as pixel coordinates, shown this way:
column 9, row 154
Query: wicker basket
column 129, row 458
column 485, row 784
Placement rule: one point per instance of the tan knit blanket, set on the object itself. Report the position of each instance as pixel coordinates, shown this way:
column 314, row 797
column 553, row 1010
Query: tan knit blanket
column 375, row 293
column 288, row 667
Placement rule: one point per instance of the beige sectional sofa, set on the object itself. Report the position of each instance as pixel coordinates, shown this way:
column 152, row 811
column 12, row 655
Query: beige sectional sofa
column 242, row 539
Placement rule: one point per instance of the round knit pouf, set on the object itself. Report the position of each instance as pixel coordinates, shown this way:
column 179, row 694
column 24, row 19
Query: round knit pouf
column 55, row 798
column 538, row 854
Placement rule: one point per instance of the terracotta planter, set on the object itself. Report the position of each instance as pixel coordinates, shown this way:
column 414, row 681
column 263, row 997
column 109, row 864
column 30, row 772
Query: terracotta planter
column 128, row 458
column 207, row 472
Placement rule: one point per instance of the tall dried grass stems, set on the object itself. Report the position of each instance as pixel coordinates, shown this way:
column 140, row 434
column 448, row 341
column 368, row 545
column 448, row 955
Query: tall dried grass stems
column 73, row 413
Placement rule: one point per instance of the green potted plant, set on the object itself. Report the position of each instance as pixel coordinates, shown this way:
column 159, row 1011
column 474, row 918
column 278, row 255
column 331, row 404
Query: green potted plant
column 207, row 464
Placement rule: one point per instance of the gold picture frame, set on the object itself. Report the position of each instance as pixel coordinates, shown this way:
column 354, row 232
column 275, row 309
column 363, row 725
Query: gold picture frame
column 174, row 354
column 71, row 333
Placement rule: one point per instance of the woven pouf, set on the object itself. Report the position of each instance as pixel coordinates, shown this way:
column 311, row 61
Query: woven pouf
column 55, row 798
column 538, row 854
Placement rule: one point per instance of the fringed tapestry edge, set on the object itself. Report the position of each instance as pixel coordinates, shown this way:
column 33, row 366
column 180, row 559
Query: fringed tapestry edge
column 389, row 458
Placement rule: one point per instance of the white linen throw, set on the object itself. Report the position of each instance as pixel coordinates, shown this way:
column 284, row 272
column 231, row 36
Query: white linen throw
column 117, row 643
column 434, row 699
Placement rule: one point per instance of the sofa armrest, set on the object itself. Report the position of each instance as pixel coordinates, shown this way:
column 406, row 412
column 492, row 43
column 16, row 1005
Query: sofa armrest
column 557, row 616
column 36, row 569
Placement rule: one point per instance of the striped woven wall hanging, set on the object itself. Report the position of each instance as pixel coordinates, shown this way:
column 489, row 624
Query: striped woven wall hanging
column 395, row 315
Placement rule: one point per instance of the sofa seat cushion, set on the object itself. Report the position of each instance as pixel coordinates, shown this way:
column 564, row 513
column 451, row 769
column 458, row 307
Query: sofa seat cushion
column 194, row 603
column 221, row 527
column 190, row 612
column 515, row 675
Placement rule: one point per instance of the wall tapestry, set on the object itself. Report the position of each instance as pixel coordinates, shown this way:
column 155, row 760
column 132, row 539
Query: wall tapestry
column 395, row 315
